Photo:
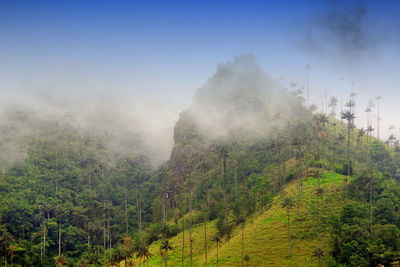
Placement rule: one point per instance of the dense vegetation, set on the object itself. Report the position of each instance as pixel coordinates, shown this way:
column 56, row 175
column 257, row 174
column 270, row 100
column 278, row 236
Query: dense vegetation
column 246, row 146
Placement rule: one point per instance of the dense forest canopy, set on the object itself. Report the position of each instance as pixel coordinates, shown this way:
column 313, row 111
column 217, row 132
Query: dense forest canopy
column 87, row 189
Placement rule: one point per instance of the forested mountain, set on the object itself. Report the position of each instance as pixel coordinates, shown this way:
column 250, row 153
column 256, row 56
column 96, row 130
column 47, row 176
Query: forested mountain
column 247, row 154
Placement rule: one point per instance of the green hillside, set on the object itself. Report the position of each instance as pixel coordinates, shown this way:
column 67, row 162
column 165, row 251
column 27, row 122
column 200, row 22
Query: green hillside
column 265, row 234
column 76, row 194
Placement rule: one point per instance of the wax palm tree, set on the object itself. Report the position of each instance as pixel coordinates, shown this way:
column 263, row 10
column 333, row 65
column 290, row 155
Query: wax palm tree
column 165, row 246
column 349, row 116
column 323, row 119
column 334, row 124
column 319, row 252
column 371, row 182
column 223, row 154
column 378, row 117
column 60, row 260
column 239, row 218
column 360, row 135
column 11, row 251
column 369, row 133
column 323, row 141
column 320, row 192
column 5, row 239
column 391, row 140
column 288, row 203
column 142, row 251
column 333, row 101
column 217, row 240
column 127, row 242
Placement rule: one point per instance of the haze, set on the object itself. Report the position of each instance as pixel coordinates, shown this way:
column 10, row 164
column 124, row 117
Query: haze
column 146, row 59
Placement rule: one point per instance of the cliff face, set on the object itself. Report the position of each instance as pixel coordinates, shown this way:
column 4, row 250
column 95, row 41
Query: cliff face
column 238, row 102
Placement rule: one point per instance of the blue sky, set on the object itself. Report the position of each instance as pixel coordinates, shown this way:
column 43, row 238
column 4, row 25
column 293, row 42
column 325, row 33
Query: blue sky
column 165, row 50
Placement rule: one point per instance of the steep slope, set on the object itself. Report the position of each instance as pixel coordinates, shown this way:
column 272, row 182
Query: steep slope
column 239, row 102
column 265, row 235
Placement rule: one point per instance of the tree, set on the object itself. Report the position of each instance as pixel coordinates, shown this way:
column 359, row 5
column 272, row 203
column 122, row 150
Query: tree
column 334, row 153
column 288, row 203
column 308, row 68
column 165, row 246
column 349, row 116
column 60, row 260
column 360, row 135
column 319, row 252
column 378, row 118
column 217, row 240
column 11, row 250
column 5, row 239
column 240, row 219
column 320, row 192
column 333, row 101
column 369, row 134
column 142, row 250
column 223, row 154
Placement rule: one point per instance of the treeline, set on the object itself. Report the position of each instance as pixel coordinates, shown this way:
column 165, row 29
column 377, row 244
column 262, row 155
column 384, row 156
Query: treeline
column 75, row 199
column 72, row 199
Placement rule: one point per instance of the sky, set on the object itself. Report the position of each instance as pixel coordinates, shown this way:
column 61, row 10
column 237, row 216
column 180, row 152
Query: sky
column 158, row 53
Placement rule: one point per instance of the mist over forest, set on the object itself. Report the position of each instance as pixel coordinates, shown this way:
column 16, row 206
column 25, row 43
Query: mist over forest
column 199, row 133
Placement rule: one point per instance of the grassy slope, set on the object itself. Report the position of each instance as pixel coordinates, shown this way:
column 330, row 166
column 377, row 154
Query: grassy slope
column 265, row 234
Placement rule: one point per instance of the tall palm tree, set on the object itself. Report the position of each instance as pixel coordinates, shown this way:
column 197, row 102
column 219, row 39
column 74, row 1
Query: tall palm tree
column 320, row 192
column 378, row 118
column 5, row 239
column 369, row 133
column 360, row 135
column 391, row 140
column 142, row 251
column 333, row 101
column 319, row 252
column 371, row 183
column 323, row 141
column 60, row 260
column 316, row 126
column 308, row 68
column 165, row 246
column 223, row 153
column 288, row 203
column 217, row 240
column 11, row 251
column 349, row 116
column 239, row 218
column 203, row 167
column 298, row 142
column 334, row 124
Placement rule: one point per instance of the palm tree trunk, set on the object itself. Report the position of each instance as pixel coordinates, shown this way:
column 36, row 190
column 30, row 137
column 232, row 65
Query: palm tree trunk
column 190, row 228
column 370, row 204
column 323, row 160
column 183, row 239
column 138, row 207
column 225, row 200
column 288, row 214
column 217, row 254
column 104, row 227
column 236, row 193
column 59, row 238
column 126, row 212
column 109, row 234
column 195, row 196
column 242, row 241
column 205, row 236
column 44, row 237
column 348, row 151
column 334, row 156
